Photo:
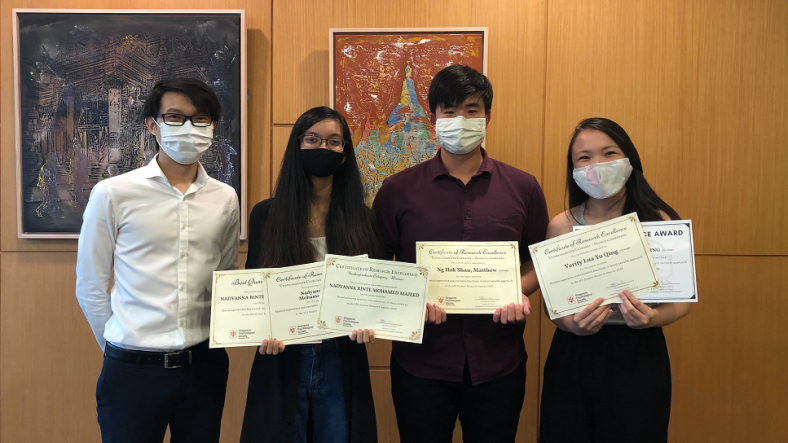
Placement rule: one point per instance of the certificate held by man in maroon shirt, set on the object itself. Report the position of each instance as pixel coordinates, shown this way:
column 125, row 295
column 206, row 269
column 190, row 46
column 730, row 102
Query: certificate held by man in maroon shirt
column 472, row 277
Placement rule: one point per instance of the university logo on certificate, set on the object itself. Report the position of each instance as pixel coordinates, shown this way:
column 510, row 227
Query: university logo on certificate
column 472, row 277
column 601, row 260
column 387, row 296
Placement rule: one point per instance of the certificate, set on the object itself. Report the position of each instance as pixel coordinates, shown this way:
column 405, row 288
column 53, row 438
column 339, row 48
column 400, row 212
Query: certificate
column 386, row 296
column 472, row 277
column 601, row 260
column 239, row 309
column 249, row 306
column 674, row 254
column 293, row 299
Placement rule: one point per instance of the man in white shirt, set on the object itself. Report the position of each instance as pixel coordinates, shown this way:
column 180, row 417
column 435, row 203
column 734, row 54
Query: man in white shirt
column 163, row 229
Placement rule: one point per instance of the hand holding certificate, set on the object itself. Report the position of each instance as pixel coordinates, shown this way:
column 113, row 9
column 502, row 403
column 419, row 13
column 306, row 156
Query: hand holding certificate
column 674, row 254
column 472, row 277
column 601, row 260
column 250, row 306
column 389, row 297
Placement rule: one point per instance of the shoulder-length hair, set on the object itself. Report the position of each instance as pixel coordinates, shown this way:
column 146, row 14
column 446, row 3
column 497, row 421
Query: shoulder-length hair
column 639, row 196
column 350, row 228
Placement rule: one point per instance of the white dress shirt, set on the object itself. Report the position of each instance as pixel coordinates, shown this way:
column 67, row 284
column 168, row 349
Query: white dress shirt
column 164, row 247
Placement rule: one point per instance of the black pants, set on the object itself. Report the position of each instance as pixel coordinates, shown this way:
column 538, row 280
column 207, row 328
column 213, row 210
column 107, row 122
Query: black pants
column 136, row 402
column 427, row 409
column 609, row 387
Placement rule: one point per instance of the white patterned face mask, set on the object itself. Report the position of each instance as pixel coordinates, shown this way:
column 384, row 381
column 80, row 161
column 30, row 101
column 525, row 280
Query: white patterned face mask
column 603, row 180
column 186, row 143
column 460, row 135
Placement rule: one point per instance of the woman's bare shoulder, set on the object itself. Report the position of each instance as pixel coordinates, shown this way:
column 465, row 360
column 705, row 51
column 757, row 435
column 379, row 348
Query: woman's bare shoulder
column 562, row 223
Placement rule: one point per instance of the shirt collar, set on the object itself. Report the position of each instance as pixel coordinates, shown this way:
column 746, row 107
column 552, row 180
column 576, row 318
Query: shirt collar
column 153, row 170
column 436, row 168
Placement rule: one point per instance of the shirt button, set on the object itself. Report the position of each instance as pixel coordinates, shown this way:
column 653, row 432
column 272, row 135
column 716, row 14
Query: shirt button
column 182, row 323
column 467, row 217
column 183, row 227
column 465, row 191
column 183, row 255
column 183, row 287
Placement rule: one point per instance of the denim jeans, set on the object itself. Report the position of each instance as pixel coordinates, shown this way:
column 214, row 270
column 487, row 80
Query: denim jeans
column 321, row 396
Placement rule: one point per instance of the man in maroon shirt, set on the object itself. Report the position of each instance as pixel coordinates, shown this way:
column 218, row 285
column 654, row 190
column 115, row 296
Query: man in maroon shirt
column 469, row 365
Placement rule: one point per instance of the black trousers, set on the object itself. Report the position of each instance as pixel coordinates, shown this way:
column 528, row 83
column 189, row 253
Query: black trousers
column 610, row 387
column 427, row 409
column 136, row 402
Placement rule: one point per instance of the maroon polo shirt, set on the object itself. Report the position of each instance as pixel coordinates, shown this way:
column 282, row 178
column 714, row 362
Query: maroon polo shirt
column 425, row 203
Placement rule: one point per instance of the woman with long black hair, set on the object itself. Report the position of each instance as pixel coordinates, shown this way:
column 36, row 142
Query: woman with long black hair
column 312, row 392
column 607, row 374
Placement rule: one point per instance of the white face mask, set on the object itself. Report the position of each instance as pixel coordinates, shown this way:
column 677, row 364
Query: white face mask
column 185, row 144
column 460, row 135
column 603, row 180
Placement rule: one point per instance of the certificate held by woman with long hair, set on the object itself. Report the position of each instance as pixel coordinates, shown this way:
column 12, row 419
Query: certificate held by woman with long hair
column 239, row 309
column 386, row 296
column 601, row 260
column 279, row 303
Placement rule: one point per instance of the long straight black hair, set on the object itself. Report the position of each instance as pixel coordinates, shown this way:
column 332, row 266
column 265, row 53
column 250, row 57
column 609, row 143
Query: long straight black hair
column 639, row 197
column 350, row 227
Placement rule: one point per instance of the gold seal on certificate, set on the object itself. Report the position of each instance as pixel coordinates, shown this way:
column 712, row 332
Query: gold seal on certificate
column 386, row 296
column 601, row 260
column 472, row 277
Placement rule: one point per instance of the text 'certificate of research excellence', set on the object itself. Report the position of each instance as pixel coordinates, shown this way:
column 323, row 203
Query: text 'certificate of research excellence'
column 386, row 296
column 472, row 277
column 601, row 260
column 674, row 254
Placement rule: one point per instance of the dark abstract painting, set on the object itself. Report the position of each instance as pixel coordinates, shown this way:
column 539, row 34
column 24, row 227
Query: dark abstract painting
column 82, row 81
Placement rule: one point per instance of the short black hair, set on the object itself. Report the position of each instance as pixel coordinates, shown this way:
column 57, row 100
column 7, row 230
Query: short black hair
column 455, row 83
column 201, row 95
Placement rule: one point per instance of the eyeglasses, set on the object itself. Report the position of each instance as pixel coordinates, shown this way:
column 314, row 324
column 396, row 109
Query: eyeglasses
column 311, row 141
column 179, row 120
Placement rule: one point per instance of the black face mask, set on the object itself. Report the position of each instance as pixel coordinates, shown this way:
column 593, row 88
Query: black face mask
column 321, row 162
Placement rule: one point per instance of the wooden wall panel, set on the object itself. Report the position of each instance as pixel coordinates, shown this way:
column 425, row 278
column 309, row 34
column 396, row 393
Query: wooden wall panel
column 728, row 356
column 384, row 406
column 515, row 61
column 700, row 87
column 279, row 139
column 50, row 360
column 258, row 23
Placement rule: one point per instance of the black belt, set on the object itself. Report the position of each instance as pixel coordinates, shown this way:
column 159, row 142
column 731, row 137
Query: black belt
column 169, row 360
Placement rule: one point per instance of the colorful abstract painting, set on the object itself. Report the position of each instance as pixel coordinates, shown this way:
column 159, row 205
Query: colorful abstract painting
column 380, row 81
column 82, row 80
